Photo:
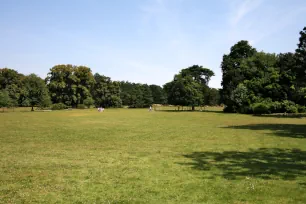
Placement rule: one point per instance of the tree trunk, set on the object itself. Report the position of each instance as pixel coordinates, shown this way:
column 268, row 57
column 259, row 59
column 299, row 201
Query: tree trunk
column 192, row 108
column 32, row 108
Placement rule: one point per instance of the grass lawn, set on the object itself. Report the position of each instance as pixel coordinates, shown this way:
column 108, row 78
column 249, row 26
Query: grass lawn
column 136, row 156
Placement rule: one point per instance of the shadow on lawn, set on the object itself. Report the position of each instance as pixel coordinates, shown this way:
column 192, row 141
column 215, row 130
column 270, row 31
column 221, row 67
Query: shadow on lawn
column 286, row 164
column 283, row 130
column 179, row 111
column 288, row 115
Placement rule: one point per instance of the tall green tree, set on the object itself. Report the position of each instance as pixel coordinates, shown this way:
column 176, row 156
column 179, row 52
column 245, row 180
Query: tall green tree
column 37, row 92
column 189, row 86
column 70, row 84
column 184, row 91
column 106, row 92
column 62, row 84
column 4, row 99
column 158, row 94
column 286, row 62
column 147, row 95
column 301, row 58
column 12, row 82
column 232, row 74
column 301, row 67
column 85, row 82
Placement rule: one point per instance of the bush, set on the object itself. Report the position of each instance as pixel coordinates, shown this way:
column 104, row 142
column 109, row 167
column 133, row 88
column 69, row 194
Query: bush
column 81, row 106
column 276, row 107
column 301, row 109
column 290, row 107
column 260, row 108
column 58, row 106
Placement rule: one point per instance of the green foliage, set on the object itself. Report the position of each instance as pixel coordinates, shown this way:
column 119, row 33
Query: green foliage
column 81, row 106
column 260, row 108
column 136, row 95
column 189, row 87
column 301, row 60
column 116, row 101
column 158, row 94
column 212, row 97
column 70, row 84
column 198, row 73
column 232, row 72
column 147, row 95
column 240, row 99
column 12, row 82
column 4, row 99
column 276, row 107
column 88, row 102
column 103, row 91
column 36, row 91
column 58, row 106
column 301, row 109
column 269, row 78
column 290, row 107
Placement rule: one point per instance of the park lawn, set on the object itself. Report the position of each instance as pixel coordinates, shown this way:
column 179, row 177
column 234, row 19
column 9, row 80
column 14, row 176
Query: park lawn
column 136, row 156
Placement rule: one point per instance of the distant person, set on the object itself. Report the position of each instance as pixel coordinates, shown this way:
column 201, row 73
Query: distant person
column 150, row 109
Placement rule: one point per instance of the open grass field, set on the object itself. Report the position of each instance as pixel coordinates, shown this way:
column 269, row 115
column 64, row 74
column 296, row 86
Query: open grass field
column 136, row 156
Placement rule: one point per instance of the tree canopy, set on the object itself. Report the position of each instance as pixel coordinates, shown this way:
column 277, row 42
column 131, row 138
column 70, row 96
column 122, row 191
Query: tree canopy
column 189, row 87
column 251, row 77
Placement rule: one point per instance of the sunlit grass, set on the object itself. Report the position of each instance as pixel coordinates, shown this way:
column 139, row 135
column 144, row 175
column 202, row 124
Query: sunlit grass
column 137, row 156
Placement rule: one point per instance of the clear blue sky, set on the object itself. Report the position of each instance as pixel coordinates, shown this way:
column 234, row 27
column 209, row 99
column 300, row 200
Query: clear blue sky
column 145, row 41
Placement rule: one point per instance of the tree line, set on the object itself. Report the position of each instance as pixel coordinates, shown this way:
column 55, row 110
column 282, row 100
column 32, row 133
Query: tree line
column 259, row 82
column 76, row 86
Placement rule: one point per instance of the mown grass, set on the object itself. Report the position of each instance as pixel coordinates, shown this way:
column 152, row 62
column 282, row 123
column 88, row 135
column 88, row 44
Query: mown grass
column 136, row 156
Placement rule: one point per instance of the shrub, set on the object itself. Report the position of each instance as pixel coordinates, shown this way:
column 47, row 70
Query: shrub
column 290, row 107
column 58, row 106
column 81, row 106
column 301, row 109
column 260, row 108
column 276, row 107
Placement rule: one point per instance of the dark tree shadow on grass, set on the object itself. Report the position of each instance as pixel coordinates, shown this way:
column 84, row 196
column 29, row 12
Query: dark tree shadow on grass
column 261, row 163
column 180, row 111
column 282, row 130
column 288, row 115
